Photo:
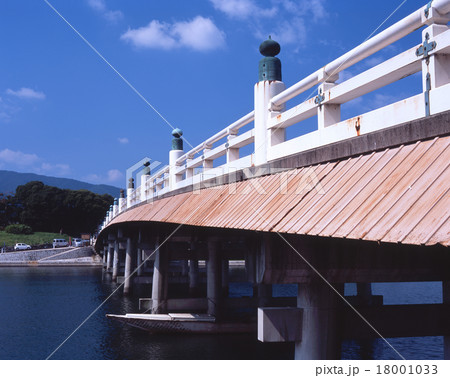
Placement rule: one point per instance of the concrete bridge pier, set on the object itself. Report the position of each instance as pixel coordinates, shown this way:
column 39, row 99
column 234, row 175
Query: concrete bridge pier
column 160, row 279
column 105, row 252
column 225, row 277
column 193, row 277
column 446, row 300
column 320, row 331
column 129, row 259
column 109, row 257
column 116, row 261
column 139, row 258
column 213, row 279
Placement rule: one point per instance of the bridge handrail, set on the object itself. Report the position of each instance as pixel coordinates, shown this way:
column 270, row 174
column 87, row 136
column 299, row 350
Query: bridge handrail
column 229, row 130
column 381, row 40
column 180, row 171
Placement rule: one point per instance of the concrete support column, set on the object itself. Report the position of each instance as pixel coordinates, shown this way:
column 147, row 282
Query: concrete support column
column 225, row 277
column 320, row 336
column 139, row 259
column 446, row 299
column 105, row 253
column 213, row 270
column 139, row 263
column 184, row 268
column 250, row 265
column 128, row 266
column 193, row 277
column 159, row 280
column 116, row 261
column 109, row 256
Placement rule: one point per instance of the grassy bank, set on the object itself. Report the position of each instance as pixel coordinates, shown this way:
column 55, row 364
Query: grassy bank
column 36, row 238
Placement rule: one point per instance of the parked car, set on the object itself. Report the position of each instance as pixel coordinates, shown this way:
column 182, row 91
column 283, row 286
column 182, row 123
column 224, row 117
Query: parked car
column 60, row 243
column 77, row 242
column 21, row 246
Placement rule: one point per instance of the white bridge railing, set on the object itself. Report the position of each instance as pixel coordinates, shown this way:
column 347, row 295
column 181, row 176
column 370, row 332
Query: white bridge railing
column 431, row 56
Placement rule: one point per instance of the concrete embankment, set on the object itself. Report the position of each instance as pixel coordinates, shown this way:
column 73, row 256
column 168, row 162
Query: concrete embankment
column 84, row 256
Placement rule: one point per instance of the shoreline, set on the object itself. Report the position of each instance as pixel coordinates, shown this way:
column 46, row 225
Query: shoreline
column 84, row 256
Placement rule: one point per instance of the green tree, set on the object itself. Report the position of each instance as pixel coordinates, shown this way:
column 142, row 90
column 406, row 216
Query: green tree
column 9, row 210
column 47, row 208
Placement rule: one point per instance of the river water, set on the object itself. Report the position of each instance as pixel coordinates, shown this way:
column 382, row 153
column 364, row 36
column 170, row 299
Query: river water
column 51, row 312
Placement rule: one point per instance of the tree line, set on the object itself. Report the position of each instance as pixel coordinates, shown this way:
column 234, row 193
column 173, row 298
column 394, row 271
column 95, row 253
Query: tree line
column 51, row 209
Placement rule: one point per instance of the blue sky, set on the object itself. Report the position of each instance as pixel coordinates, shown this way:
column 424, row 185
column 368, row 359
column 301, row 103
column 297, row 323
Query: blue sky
column 64, row 112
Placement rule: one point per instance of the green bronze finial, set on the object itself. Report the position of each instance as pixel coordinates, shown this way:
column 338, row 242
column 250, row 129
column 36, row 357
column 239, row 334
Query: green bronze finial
column 116, row 201
column 131, row 183
column 269, row 66
column 122, row 193
column 177, row 142
column 146, row 170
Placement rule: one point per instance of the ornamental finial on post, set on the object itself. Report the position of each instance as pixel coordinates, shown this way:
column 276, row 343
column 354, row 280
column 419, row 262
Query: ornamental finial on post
column 269, row 66
column 177, row 142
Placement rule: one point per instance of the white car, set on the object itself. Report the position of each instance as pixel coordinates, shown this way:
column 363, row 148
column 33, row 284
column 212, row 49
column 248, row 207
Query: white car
column 21, row 246
column 60, row 243
column 76, row 242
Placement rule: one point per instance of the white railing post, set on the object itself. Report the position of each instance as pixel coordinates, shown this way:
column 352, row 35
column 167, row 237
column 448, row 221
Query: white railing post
column 115, row 207
column 175, row 153
column 110, row 213
column 122, row 201
column 207, row 163
column 327, row 114
column 269, row 85
column 435, row 67
column 232, row 153
column 130, row 190
column 144, row 180
column 189, row 171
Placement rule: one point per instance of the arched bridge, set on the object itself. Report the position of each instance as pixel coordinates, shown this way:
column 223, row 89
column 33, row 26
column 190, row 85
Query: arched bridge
column 360, row 200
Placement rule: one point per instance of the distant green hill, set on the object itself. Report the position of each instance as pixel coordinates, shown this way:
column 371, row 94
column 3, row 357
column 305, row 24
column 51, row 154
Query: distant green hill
column 10, row 180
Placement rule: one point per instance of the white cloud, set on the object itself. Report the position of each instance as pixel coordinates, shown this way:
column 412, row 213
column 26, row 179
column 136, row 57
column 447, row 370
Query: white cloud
column 54, row 169
column 380, row 100
column 123, row 140
column 289, row 32
column 113, row 176
column 318, row 9
column 113, row 16
column 17, row 158
column 100, row 6
column 242, row 9
column 7, row 110
column 199, row 34
column 154, row 35
column 26, row 93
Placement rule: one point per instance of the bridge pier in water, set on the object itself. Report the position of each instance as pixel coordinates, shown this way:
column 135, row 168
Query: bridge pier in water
column 320, row 337
column 160, row 279
column 129, row 266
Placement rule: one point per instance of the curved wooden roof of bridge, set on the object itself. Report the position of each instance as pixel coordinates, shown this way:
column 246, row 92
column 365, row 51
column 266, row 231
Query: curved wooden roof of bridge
column 397, row 195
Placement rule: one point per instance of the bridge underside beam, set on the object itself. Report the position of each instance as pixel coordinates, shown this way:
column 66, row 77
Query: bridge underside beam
column 338, row 260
